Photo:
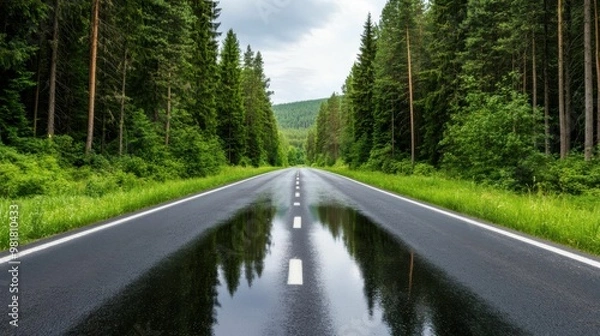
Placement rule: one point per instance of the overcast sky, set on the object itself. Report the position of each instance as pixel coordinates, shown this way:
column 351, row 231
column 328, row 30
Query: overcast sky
column 308, row 46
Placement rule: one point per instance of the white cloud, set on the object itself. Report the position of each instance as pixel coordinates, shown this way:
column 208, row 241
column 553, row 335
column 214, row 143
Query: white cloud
column 308, row 46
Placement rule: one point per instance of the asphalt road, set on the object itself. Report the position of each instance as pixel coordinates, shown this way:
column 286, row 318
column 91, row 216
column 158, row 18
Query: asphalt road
column 300, row 252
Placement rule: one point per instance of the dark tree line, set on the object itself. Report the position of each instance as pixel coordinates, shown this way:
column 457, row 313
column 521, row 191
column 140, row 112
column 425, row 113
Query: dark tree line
column 492, row 90
column 143, row 79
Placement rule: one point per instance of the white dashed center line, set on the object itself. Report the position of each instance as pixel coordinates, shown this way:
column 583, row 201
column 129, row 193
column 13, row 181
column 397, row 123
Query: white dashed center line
column 296, row 203
column 295, row 272
column 297, row 194
column 297, row 222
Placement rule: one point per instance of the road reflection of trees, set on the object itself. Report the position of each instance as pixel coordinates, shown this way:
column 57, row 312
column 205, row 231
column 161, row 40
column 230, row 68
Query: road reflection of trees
column 179, row 296
column 415, row 297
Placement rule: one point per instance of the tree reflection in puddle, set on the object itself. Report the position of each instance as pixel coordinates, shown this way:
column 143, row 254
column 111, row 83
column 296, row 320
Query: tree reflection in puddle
column 180, row 296
column 402, row 294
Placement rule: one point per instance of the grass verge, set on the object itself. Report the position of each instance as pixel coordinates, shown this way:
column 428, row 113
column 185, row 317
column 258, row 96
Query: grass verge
column 45, row 216
column 564, row 219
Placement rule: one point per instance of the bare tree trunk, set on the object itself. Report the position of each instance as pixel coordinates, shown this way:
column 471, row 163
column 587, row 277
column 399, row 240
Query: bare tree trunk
column 597, row 71
column 534, row 79
column 122, row 112
column 393, row 133
column 567, row 83
column 589, row 83
column 168, row 124
column 93, row 56
column 53, row 62
column 410, row 92
column 525, row 72
column 561, row 83
column 36, row 104
column 546, row 84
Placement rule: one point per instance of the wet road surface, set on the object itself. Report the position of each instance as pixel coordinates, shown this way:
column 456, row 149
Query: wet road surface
column 302, row 252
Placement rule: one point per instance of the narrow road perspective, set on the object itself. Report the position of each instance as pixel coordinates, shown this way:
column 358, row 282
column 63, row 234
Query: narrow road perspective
column 302, row 252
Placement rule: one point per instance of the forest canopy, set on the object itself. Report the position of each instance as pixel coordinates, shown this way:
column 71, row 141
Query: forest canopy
column 141, row 87
column 503, row 92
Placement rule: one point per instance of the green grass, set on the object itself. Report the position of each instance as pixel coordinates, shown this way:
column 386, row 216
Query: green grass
column 44, row 216
column 564, row 219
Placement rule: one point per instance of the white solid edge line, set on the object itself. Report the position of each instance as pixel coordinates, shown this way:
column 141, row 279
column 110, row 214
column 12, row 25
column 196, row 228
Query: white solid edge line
column 117, row 222
column 520, row 238
column 297, row 222
column 295, row 272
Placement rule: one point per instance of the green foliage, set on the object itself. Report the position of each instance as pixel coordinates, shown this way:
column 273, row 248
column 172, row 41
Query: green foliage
column 572, row 175
column 362, row 97
column 297, row 115
column 492, row 138
column 24, row 175
column 231, row 128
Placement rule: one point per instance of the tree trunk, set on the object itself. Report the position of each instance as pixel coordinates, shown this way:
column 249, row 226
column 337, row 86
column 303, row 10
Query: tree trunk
column 561, row 83
column 567, row 69
column 597, row 71
column 525, row 72
column 589, row 84
column 546, row 84
column 168, row 124
column 410, row 92
column 122, row 111
column 533, row 79
column 93, row 56
column 36, row 103
column 53, row 62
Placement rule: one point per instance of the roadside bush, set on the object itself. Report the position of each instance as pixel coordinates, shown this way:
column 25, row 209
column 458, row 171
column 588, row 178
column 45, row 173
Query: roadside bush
column 572, row 175
column 197, row 156
column 134, row 165
column 28, row 175
column 492, row 139
column 424, row 169
column 403, row 167
column 98, row 186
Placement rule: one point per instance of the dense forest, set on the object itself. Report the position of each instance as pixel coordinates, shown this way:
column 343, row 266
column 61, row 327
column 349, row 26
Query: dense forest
column 503, row 92
column 294, row 120
column 298, row 115
column 138, row 89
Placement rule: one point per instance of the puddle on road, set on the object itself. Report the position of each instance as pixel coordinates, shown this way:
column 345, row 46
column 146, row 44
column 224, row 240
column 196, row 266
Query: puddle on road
column 228, row 282
column 376, row 286
column 211, row 287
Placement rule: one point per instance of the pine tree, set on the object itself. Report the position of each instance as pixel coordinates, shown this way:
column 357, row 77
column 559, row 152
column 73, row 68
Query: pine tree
column 445, row 43
column 269, row 132
column 252, row 92
column 204, row 64
column 362, row 99
column 230, row 128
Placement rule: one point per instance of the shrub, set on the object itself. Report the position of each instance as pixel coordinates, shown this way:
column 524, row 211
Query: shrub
column 492, row 139
column 424, row 169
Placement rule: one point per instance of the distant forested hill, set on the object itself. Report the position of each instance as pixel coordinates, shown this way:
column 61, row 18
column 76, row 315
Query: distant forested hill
column 298, row 115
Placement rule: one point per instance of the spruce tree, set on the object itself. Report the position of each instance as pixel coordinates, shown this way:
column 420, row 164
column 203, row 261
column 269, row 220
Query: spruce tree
column 362, row 98
column 251, row 93
column 230, row 112
column 204, row 64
